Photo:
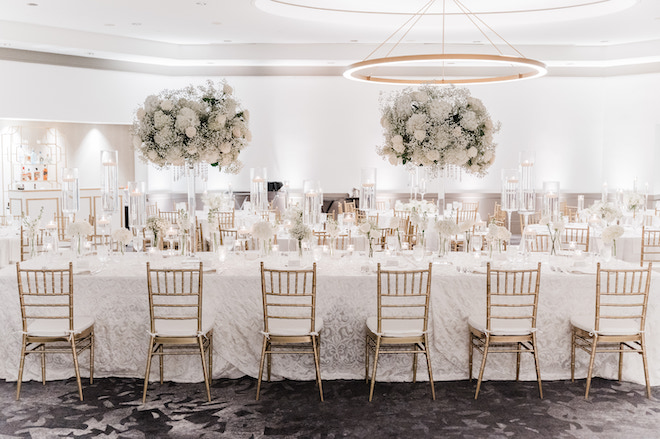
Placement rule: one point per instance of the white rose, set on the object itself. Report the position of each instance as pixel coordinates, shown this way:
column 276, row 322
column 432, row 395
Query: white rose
column 394, row 160
column 246, row 115
column 236, row 132
column 141, row 113
column 365, row 227
column 167, row 105
column 226, row 89
column 472, row 152
column 420, row 135
column 152, row 155
column 248, row 136
column 191, row 132
column 433, row 155
column 221, row 119
column 137, row 142
column 225, row 148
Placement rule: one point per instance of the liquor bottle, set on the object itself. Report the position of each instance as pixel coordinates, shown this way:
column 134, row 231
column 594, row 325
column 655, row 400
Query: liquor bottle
column 45, row 173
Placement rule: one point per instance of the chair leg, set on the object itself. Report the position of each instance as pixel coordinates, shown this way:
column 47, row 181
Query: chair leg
column 146, row 373
column 373, row 374
column 646, row 368
column 210, row 335
column 483, row 366
column 91, row 359
column 428, row 365
column 518, row 362
column 366, row 359
column 200, row 341
column 470, row 355
column 43, row 364
column 269, row 359
column 536, row 364
column 594, row 343
column 20, row 370
column 261, row 365
column 160, row 362
column 76, row 366
column 620, row 360
column 317, row 363
column 415, row 363
column 572, row 355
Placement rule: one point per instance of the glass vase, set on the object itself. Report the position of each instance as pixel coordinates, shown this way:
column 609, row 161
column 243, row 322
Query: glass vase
column 34, row 247
column 443, row 246
column 78, row 243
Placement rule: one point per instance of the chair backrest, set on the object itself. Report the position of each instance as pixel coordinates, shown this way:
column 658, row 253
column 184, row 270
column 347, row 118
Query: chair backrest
column 349, row 206
column 382, row 205
column 539, row 242
column 62, row 222
column 471, row 206
column 465, row 215
column 45, row 294
column 532, row 218
column 578, row 235
column 621, row 298
column 289, row 297
column 170, row 216
column 226, row 219
column 650, row 251
column 152, row 210
column 175, row 294
column 512, row 298
column 404, row 295
column 26, row 243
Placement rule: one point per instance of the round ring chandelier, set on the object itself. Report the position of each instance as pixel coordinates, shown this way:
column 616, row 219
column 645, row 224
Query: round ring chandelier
column 531, row 68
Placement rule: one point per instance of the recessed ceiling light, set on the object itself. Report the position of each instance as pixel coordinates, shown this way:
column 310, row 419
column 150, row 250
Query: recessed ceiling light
column 136, row 24
column 354, row 41
column 109, row 25
column 217, row 23
column 477, row 42
column 33, row 4
column 227, row 41
column 90, row 53
column 604, row 41
column 200, row 3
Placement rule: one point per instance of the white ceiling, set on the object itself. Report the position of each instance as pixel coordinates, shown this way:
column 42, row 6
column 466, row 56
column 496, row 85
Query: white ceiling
column 239, row 37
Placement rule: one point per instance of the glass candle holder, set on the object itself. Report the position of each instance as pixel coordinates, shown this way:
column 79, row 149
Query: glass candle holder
column 259, row 189
column 551, row 200
column 368, row 189
column 70, row 192
column 313, row 200
column 137, row 204
column 109, row 182
column 510, row 192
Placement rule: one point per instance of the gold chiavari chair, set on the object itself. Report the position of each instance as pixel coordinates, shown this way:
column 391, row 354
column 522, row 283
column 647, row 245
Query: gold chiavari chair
column 290, row 321
column 152, row 210
column 470, row 206
column 620, row 318
column 200, row 243
column 572, row 214
column 226, row 219
column 541, row 243
column 532, row 218
column 650, row 251
column 227, row 236
column 177, row 327
column 322, row 237
column 62, row 222
column 49, row 324
column 463, row 215
column 509, row 324
column 170, row 216
column 360, row 216
column 403, row 310
column 382, row 205
column 578, row 235
column 349, row 206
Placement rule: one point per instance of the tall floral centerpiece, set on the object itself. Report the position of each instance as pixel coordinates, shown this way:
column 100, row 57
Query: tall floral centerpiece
column 446, row 228
column 157, row 226
column 435, row 127
column 263, row 232
column 192, row 125
column 299, row 230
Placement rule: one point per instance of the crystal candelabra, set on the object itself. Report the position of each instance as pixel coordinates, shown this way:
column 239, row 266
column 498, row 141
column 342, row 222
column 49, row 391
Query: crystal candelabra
column 70, row 192
column 368, row 189
column 527, row 197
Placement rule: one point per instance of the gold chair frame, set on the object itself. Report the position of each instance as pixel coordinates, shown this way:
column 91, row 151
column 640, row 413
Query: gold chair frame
column 621, row 295
column 650, row 248
column 508, row 294
column 46, row 297
column 175, row 296
column 579, row 235
column 289, row 298
column 403, row 298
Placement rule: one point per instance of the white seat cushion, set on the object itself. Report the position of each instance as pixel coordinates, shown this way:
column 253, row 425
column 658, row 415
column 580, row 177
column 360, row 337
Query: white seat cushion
column 397, row 328
column 502, row 327
column 180, row 328
column 293, row 327
column 58, row 327
column 607, row 326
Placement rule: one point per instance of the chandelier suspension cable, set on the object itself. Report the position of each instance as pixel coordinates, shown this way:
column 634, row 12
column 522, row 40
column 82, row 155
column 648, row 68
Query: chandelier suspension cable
column 419, row 12
column 471, row 14
column 419, row 17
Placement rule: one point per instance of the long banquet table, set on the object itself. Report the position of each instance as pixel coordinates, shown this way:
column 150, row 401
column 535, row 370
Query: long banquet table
column 115, row 294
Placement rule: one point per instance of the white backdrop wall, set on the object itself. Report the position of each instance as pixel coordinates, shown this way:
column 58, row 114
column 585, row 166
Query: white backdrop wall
column 584, row 130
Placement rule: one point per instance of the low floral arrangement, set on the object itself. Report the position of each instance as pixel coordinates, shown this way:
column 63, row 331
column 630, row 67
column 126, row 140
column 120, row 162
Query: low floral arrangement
column 298, row 230
column 183, row 221
column 370, row 230
column 446, row 228
column 467, row 227
column 634, row 201
column 122, row 237
column 79, row 228
column 611, row 234
column 435, row 127
column 608, row 212
column 31, row 226
column 157, row 226
column 213, row 202
column 555, row 228
column 332, row 228
column 497, row 235
column 192, row 125
column 263, row 231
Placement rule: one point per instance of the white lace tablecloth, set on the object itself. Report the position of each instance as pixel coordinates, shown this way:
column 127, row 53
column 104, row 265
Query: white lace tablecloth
column 117, row 298
column 10, row 245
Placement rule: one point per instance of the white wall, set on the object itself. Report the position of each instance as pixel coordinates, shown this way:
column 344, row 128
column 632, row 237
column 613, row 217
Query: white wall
column 584, row 130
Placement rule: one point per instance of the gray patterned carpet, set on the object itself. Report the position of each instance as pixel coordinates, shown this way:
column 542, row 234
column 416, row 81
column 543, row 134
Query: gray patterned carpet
column 112, row 408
